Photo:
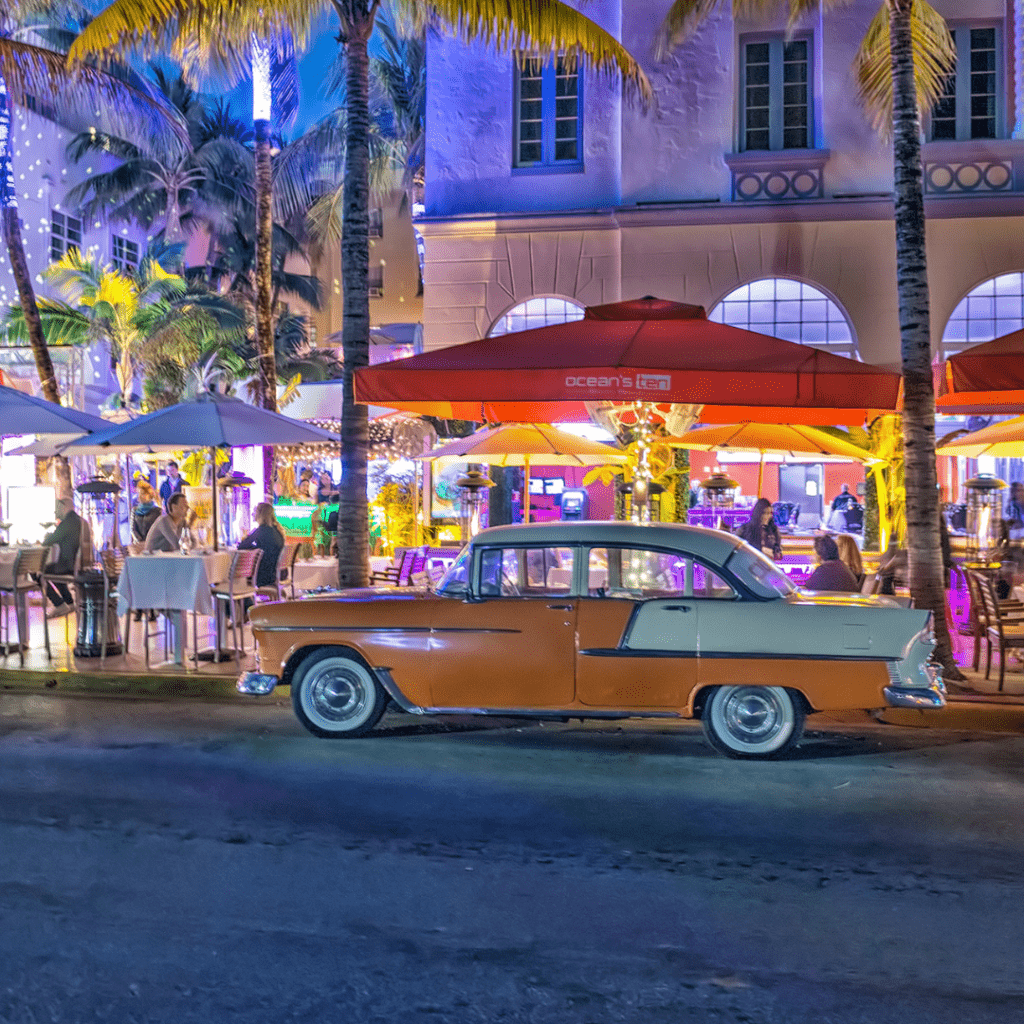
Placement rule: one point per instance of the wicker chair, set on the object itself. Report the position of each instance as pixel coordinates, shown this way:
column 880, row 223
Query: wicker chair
column 977, row 623
column 1001, row 629
column 112, row 565
column 26, row 576
column 233, row 592
column 284, row 574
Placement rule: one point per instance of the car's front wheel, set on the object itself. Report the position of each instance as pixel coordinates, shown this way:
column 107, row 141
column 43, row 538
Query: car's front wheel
column 334, row 694
column 753, row 721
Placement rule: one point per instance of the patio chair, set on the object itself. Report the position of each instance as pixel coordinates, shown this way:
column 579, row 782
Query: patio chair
column 26, row 576
column 239, row 587
column 112, row 565
column 870, row 583
column 282, row 574
column 83, row 560
column 981, row 588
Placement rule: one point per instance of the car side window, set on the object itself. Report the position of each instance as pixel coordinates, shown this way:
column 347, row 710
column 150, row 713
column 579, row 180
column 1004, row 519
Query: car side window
column 526, row 572
column 636, row 574
column 708, row 584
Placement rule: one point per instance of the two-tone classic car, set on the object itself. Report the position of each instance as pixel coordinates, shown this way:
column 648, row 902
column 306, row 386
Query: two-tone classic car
column 599, row 620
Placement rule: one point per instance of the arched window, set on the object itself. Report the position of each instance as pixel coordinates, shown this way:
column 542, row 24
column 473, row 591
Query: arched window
column 994, row 308
column 788, row 309
column 539, row 312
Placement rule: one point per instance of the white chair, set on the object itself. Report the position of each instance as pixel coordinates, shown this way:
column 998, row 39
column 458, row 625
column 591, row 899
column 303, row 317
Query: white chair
column 26, row 576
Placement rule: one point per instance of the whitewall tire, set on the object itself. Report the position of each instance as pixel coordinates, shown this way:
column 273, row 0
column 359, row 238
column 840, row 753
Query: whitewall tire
column 335, row 695
column 753, row 721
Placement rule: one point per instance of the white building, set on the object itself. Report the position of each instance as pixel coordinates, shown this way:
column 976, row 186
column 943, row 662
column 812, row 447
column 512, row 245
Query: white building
column 755, row 187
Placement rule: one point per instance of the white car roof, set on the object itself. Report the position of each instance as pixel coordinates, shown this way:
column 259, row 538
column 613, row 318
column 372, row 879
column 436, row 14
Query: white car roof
column 714, row 545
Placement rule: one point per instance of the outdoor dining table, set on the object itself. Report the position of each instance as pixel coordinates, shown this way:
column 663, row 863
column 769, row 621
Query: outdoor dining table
column 172, row 582
column 315, row 573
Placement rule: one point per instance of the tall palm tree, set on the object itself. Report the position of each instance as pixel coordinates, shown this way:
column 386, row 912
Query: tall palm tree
column 902, row 64
column 544, row 24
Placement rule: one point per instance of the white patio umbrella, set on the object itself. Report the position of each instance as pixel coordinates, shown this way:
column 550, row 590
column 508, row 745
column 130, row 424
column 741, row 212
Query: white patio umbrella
column 210, row 421
column 23, row 414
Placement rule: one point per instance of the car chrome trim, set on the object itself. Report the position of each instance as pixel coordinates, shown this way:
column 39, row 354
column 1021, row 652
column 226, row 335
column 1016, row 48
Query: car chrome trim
column 257, row 684
column 379, row 629
column 629, row 652
column 550, row 713
column 391, row 688
column 916, row 696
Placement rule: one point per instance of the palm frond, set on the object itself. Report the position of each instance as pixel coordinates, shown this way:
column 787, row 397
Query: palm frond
column 934, row 60
column 546, row 25
column 83, row 97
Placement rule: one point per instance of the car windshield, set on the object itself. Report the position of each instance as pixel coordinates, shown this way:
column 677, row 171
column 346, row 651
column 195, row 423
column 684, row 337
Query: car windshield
column 455, row 582
column 759, row 572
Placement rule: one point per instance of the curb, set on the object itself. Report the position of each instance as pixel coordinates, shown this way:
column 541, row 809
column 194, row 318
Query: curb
column 151, row 687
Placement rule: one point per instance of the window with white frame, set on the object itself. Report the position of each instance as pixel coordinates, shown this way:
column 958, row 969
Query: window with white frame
column 65, row 233
column 990, row 310
column 969, row 107
column 776, row 106
column 124, row 254
column 788, row 309
column 539, row 312
column 548, row 121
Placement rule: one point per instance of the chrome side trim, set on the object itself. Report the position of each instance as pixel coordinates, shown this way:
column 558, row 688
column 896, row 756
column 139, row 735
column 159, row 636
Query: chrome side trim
column 391, row 689
column 551, row 713
column 916, row 696
column 377, row 629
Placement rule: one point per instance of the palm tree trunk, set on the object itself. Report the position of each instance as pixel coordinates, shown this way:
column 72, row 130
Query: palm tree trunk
column 353, row 514
column 924, row 550
column 10, row 223
column 264, row 285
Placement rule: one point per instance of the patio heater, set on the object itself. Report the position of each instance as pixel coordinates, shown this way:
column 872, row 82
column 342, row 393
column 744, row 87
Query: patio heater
column 472, row 487
column 235, row 514
column 99, row 502
column 984, row 517
column 719, row 491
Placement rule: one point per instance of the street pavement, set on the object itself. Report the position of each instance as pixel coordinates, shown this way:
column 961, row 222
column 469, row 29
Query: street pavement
column 210, row 861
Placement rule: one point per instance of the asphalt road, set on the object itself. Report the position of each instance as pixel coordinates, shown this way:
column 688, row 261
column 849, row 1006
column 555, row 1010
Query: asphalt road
column 212, row 862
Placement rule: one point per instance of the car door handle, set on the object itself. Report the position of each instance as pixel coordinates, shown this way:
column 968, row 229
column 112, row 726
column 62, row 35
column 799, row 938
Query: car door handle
column 677, row 608
column 560, row 607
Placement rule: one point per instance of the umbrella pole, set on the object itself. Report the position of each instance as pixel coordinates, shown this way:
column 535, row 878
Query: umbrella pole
column 213, row 463
column 416, row 505
column 526, row 489
column 760, row 475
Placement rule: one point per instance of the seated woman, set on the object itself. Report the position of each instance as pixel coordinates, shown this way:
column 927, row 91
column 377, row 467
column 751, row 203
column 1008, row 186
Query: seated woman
column 850, row 554
column 760, row 530
column 269, row 538
column 145, row 513
column 832, row 573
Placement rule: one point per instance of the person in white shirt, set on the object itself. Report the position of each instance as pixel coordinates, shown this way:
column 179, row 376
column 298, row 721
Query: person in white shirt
column 165, row 533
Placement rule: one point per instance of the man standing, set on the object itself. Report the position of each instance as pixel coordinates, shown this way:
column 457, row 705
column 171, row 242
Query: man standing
column 67, row 536
column 172, row 484
column 165, row 533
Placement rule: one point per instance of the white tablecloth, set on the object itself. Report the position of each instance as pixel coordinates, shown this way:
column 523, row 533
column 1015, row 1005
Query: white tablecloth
column 316, row 572
column 7, row 558
column 172, row 581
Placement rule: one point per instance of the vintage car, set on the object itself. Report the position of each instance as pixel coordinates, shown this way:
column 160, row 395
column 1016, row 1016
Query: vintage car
column 603, row 620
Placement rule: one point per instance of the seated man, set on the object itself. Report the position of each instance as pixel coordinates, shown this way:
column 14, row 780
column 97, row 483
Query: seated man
column 165, row 533
column 67, row 536
column 832, row 573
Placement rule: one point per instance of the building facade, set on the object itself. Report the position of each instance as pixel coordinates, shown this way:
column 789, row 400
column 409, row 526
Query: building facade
column 754, row 186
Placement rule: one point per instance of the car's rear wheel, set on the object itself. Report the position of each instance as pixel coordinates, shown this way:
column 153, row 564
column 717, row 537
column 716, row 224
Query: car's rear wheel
column 753, row 721
column 335, row 695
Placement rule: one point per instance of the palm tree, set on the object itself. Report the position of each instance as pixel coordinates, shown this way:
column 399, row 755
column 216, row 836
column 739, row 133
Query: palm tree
column 545, row 24
column 174, row 190
column 901, row 67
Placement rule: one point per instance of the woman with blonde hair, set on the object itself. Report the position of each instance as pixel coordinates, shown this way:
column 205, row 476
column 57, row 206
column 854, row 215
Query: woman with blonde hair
column 269, row 538
column 850, row 554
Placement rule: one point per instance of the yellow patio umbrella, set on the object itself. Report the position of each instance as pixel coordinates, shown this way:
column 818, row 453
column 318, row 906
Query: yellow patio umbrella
column 1001, row 440
column 769, row 438
column 517, row 444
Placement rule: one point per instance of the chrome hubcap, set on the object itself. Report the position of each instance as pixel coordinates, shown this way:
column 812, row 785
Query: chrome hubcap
column 753, row 715
column 338, row 694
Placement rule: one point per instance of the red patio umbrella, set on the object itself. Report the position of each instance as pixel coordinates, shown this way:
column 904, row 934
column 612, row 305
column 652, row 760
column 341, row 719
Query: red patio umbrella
column 984, row 378
column 648, row 350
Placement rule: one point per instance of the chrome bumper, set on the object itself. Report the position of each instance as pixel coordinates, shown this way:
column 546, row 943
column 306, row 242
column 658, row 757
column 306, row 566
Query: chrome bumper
column 259, row 684
column 933, row 696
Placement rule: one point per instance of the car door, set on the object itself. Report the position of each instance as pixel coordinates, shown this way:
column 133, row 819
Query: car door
column 637, row 630
column 512, row 644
